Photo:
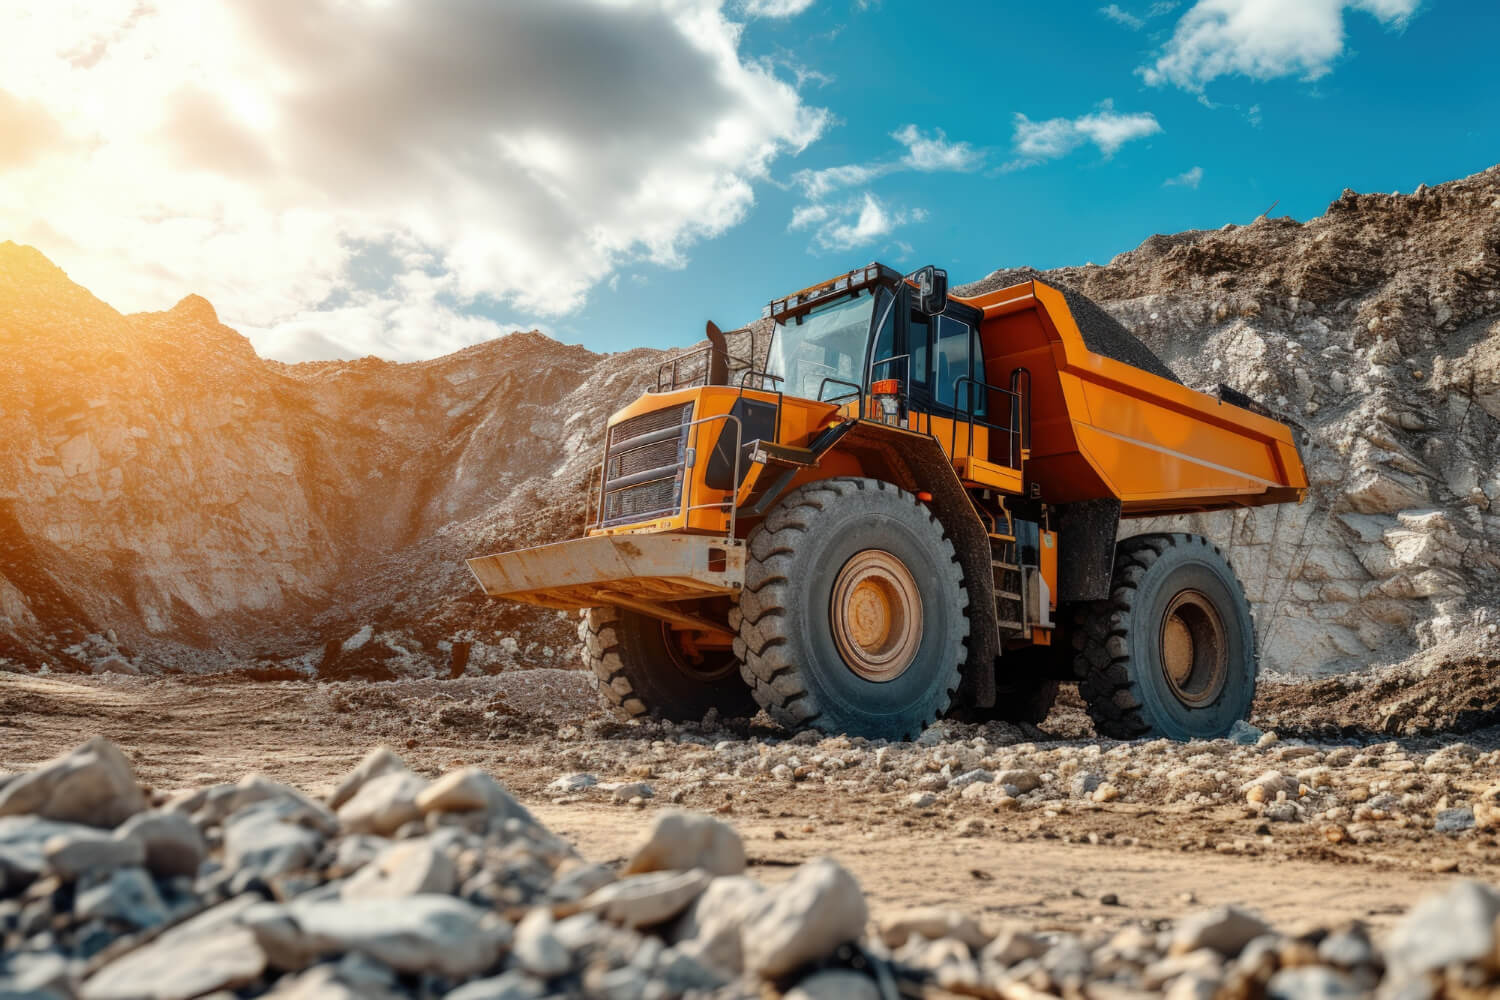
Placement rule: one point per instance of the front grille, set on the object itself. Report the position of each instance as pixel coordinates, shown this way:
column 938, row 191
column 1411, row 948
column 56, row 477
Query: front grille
column 638, row 503
column 651, row 442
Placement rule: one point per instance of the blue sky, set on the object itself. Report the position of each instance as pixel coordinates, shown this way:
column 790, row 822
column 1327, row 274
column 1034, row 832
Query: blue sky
column 406, row 177
column 1397, row 108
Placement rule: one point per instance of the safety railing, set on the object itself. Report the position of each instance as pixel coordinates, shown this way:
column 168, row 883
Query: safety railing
column 966, row 415
column 690, row 459
column 670, row 373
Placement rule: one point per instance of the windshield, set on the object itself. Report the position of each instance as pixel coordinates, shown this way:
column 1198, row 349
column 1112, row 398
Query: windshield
column 829, row 343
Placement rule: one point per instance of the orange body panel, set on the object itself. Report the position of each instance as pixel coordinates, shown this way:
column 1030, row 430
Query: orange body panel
column 1102, row 428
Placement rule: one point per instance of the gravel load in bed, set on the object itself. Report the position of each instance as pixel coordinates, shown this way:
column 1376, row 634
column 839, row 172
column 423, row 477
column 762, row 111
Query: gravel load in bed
column 395, row 885
column 1102, row 333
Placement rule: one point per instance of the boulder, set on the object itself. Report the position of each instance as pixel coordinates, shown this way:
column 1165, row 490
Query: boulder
column 468, row 790
column 209, row 952
column 256, row 840
column 383, row 804
column 712, row 926
column 646, row 900
column 1224, row 929
column 403, row 869
column 71, row 854
column 835, row 984
column 93, row 785
column 380, row 761
column 537, row 948
column 1454, row 928
column 932, row 923
column 129, row 897
column 679, row 841
column 805, row 918
column 425, row 933
column 172, row 843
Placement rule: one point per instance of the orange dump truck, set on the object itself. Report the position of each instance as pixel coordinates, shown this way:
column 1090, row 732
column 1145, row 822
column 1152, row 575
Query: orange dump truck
column 907, row 506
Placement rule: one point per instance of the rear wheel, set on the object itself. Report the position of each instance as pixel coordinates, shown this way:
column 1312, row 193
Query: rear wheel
column 643, row 667
column 1172, row 652
column 852, row 618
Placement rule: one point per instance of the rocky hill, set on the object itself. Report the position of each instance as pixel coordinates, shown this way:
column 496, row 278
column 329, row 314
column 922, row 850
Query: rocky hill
column 171, row 501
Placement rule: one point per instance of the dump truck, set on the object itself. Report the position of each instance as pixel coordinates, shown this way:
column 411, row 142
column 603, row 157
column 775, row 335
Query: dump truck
column 907, row 505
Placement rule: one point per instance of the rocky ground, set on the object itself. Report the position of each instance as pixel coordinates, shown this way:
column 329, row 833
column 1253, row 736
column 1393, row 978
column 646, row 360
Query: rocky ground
column 402, row 877
column 170, row 502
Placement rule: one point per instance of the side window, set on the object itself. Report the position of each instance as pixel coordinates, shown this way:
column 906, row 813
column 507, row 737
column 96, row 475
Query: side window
column 953, row 359
column 885, row 345
column 917, row 337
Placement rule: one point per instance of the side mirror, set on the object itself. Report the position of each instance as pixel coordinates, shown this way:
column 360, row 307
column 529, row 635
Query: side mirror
column 931, row 296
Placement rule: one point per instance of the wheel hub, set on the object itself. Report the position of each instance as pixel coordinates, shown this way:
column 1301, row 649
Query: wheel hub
column 876, row 615
column 1194, row 649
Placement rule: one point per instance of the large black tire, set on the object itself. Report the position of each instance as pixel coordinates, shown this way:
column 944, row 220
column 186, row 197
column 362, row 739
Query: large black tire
column 810, row 543
column 1172, row 652
column 638, row 673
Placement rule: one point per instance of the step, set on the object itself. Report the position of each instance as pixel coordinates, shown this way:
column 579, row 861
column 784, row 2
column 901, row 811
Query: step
column 1010, row 567
column 1007, row 595
column 772, row 453
column 1015, row 626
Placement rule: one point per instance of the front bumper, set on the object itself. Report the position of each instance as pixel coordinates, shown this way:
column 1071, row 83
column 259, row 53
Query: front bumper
column 626, row 570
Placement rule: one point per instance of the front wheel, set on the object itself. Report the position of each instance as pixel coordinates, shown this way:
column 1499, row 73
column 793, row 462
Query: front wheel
column 853, row 615
column 643, row 667
column 1172, row 652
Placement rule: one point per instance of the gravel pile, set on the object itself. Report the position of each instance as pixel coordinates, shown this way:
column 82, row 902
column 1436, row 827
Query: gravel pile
column 400, row 886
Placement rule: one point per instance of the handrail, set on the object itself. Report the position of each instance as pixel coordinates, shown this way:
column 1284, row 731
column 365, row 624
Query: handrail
column 1025, row 408
column 707, row 353
column 1012, row 431
column 859, row 390
column 729, row 501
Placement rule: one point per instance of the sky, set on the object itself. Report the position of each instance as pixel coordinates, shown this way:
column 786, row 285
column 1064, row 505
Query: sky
column 408, row 177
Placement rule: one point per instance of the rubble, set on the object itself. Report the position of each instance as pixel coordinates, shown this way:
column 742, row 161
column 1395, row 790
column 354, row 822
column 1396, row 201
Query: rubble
column 482, row 901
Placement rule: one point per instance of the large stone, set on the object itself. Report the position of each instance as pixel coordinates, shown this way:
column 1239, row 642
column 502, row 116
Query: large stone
column 805, row 918
column 426, row 933
column 932, row 923
column 327, row 982
column 835, row 984
column 383, row 804
column 537, row 948
column 23, row 840
column 712, row 926
column 1454, row 928
column 209, row 952
column 173, row 845
column 1224, row 929
column 471, row 789
column 90, row 850
column 679, row 841
column 128, row 897
column 219, row 803
column 403, row 869
column 256, row 840
column 380, row 761
column 93, row 784
column 1313, row 982
column 646, row 900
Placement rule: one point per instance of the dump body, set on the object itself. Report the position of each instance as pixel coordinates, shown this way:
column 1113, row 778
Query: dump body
column 1101, row 428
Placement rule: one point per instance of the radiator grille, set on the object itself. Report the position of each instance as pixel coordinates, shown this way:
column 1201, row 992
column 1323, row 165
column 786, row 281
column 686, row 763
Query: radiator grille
column 626, row 458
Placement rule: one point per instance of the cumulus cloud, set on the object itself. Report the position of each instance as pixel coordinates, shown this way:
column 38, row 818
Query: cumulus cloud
column 525, row 152
column 859, row 222
column 932, row 153
column 1188, row 178
column 29, row 129
column 1035, row 142
column 1263, row 39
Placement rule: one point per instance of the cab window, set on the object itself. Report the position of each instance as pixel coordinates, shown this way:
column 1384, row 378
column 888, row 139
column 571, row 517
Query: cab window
column 954, row 357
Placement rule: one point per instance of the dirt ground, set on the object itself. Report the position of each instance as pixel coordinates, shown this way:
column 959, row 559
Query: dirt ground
column 1152, row 853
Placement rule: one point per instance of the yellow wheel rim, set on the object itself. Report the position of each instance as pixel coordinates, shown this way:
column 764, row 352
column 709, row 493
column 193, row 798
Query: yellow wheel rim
column 876, row 615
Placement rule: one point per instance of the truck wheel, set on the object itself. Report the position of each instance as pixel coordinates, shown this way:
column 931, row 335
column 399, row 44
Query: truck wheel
column 641, row 668
column 852, row 618
column 1172, row 652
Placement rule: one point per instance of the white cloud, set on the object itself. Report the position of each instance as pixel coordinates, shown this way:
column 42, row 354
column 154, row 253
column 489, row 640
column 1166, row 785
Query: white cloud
column 933, row 153
column 858, row 222
column 1188, row 178
column 1120, row 16
column 1263, row 39
column 775, row 8
column 1035, row 142
column 819, row 184
column 514, row 156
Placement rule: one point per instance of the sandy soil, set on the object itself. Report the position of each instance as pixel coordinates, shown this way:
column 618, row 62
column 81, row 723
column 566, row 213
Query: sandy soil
column 1066, row 865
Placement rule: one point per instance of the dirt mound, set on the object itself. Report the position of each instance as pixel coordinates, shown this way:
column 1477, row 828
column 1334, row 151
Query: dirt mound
column 1454, row 689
